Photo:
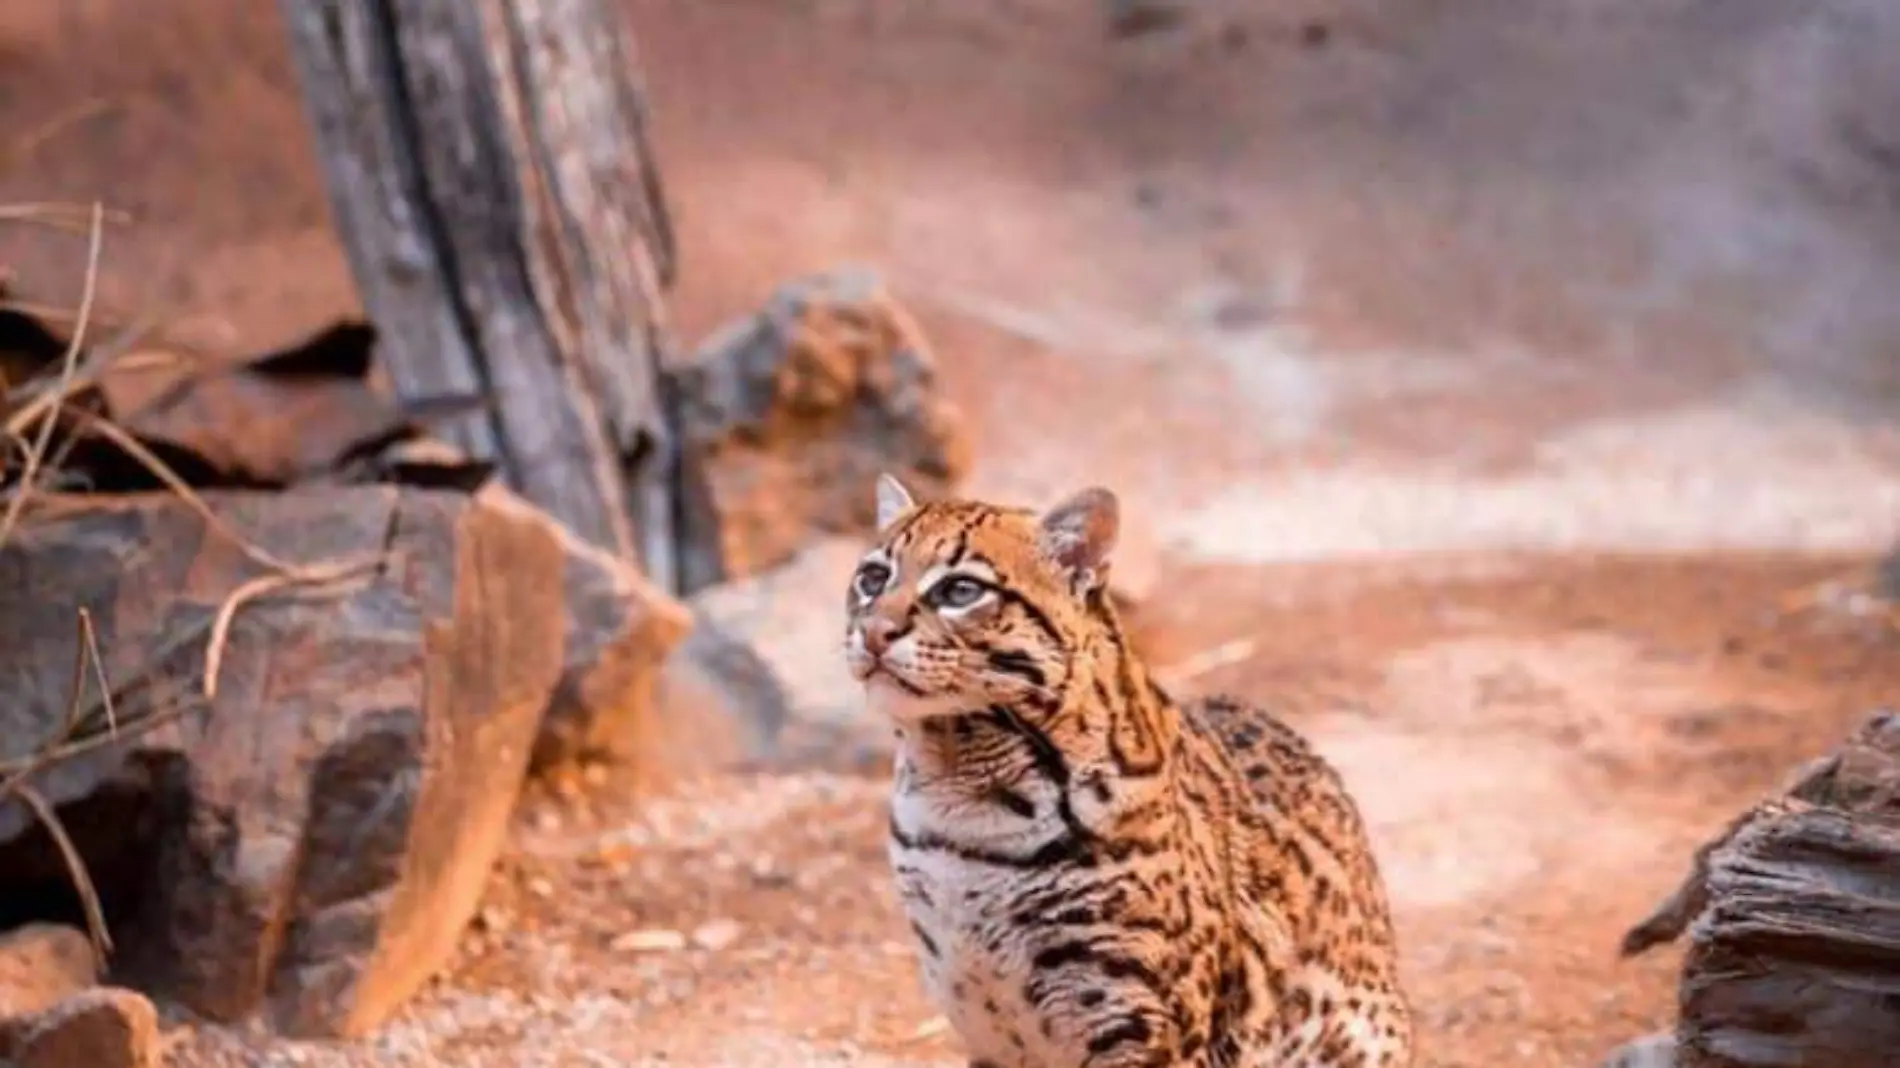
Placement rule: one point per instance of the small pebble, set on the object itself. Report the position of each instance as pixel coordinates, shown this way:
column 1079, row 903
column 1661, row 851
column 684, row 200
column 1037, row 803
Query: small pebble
column 649, row 940
column 715, row 935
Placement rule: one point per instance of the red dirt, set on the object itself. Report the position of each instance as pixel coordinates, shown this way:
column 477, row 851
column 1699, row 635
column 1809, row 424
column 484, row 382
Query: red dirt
column 1538, row 745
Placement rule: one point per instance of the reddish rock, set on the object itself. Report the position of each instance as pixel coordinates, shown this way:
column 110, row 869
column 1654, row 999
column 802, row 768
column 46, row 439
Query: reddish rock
column 42, row 964
column 621, row 629
column 718, row 705
column 322, row 828
column 786, row 419
column 104, row 1027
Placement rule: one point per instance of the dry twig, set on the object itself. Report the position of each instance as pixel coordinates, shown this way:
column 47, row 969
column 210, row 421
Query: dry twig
column 45, row 402
column 40, row 395
column 301, row 573
column 1208, row 660
column 61, row 746
column 75, row 869
column 37, row 452
column 89, row 653
column 61, row 216
column 17, row 772
column 53, row 127
column 326, row 578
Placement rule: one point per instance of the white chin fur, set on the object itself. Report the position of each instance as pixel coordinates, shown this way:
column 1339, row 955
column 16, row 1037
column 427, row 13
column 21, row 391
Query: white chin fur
column 899, row 705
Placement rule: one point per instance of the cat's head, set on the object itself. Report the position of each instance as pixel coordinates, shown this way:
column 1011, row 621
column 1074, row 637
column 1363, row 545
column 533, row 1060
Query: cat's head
column 962, row 605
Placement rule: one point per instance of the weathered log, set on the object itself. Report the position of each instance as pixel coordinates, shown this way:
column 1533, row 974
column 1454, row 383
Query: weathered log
column 1793, row 917
column 492, row 184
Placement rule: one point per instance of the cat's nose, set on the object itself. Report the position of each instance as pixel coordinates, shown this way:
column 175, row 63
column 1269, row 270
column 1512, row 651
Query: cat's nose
column 878, row 633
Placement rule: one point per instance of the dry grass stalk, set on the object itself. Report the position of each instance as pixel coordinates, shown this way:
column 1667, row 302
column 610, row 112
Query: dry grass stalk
column 18, row 772
column 1206, row 661
column 40, row 404
column 41, row 395
column 181, row 489
column 53, row 127
column 61, row 216
column 17, row 781
column 89, row 653
column 332, row 579
column 75, row 869
column 68, row 363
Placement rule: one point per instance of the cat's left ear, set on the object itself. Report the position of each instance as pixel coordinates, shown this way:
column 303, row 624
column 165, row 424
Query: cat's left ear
column 1079, row 534
column 893, row 500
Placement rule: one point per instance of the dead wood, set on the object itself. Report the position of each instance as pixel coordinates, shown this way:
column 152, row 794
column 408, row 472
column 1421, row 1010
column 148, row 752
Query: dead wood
column 491, row 179
column 1793, row 920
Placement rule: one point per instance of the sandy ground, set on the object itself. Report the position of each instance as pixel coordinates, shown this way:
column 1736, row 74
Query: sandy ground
column 1537, row 744
column 1493, row 373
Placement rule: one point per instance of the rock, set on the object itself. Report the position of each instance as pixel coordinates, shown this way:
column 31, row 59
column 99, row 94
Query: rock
column 649, row 940
column 321, row 829
column 772, row 613
column 104, row 1027
column 1655, row 1051
column 279, row 418
column 715, row 935
column 1132, row 18
column 42, row 964
column 786, row 418
column 718, row 704
column 621, row 629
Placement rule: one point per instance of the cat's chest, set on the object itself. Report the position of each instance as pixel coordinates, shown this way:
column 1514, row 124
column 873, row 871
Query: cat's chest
column 974, row 954
column 964, row 912
column 974, row 928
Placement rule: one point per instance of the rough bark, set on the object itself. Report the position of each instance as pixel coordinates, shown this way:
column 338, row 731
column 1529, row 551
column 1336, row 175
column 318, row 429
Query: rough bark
column 491, row 181
column 1793, row 916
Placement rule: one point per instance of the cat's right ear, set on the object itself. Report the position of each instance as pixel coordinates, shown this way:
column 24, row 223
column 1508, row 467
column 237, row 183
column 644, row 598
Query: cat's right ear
column 893, row 500
column 1079, row 534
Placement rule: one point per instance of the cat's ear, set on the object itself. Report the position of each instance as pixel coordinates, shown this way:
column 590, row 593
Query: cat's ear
column 893, row 500
column 1079, row 534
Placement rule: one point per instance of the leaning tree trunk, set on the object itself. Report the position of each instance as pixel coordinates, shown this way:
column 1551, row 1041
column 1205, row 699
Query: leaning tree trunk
column 1793, row 916
column 490, row 178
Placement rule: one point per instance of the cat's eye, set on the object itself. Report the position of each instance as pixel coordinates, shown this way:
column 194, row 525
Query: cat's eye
column 957, row 592
column 871, row 580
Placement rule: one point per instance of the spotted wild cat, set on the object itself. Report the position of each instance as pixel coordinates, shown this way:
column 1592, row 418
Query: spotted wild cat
column 1096, row 875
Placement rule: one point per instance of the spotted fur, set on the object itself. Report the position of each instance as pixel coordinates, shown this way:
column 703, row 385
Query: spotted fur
column 1095, row 874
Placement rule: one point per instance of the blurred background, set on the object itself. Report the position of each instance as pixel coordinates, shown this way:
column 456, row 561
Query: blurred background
column 1491, row 382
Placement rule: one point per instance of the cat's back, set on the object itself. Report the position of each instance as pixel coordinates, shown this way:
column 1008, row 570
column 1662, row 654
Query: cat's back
column 1284, row 774
column 1304, row 859
column 1303, row 834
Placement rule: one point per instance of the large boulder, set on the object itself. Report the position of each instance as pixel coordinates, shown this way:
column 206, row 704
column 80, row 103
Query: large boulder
column 309, row 842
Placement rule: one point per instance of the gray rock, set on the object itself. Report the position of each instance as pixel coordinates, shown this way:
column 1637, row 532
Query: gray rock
column 792, row 617
column 323, row 827
column 621, row 630
column 1655, row 1051
column 786, row 419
